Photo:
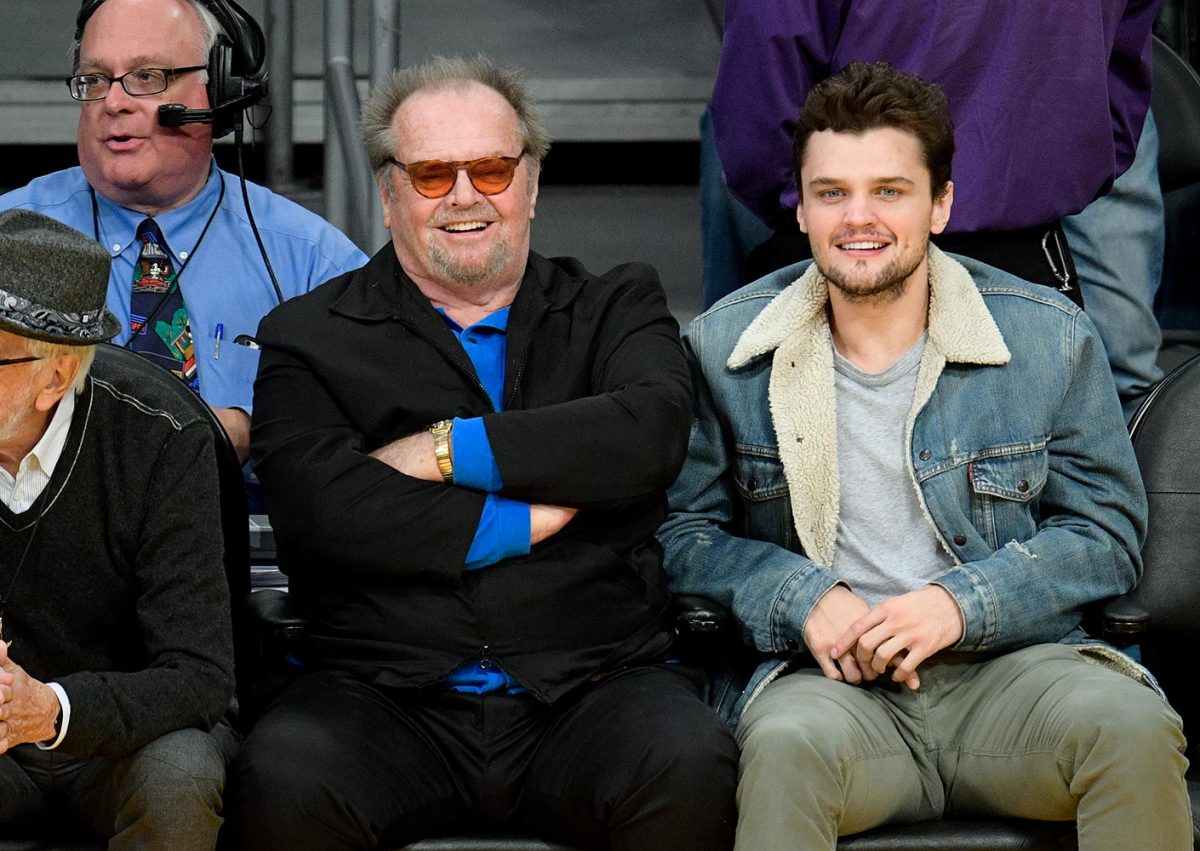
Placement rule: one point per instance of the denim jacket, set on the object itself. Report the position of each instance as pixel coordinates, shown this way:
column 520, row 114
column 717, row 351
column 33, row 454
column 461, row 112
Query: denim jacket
column 1015, row 441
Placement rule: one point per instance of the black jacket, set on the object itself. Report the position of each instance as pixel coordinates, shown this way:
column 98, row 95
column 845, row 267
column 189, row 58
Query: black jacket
column 596, row 415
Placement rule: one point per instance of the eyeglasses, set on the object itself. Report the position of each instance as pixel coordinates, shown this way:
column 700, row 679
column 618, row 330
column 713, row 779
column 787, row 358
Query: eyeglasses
column 435, row 178
column 11, row 361
column 139, row 83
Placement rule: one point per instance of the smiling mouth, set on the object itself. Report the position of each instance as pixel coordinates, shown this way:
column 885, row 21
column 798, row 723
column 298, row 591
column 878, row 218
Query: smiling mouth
column 465, row 227
column 862, row 245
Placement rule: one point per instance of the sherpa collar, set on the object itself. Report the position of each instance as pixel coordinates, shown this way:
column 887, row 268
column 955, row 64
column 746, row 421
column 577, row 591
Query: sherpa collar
column 801, row 391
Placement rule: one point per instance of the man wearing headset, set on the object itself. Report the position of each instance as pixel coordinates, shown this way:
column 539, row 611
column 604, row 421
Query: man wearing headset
column 131, row 58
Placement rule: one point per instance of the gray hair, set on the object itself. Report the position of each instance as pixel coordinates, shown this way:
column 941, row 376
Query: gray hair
column 86, row 354
column 210, row 30
column 440, row 73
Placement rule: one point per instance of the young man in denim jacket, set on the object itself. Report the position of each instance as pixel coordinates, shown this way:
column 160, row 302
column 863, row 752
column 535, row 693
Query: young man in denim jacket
column 914, row 467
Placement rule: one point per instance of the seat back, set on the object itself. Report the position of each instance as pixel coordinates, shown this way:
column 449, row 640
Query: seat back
column 1166, row 438
column 1176, row 105
column 235, row 528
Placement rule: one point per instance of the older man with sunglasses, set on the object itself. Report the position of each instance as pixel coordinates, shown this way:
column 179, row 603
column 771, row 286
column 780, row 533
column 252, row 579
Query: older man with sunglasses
column 464, row 448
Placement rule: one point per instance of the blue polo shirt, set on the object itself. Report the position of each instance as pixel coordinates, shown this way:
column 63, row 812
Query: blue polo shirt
column 503, row 529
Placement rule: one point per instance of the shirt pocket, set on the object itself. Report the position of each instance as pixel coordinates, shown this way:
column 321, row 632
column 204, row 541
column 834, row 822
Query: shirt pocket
column 764, row 506
column 1004, row 492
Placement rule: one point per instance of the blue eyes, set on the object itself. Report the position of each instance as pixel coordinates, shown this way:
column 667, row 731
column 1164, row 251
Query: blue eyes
column 883, row 192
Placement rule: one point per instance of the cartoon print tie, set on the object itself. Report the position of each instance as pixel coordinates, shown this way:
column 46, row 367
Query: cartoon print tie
column 158, row 318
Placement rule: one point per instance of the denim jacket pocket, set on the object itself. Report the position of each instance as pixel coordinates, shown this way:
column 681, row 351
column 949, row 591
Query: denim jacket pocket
column 763, row 491
column 1005, row 483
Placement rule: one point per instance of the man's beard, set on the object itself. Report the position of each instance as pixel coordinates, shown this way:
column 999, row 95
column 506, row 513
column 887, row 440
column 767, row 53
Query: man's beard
column 454, row 269
column 887, row 286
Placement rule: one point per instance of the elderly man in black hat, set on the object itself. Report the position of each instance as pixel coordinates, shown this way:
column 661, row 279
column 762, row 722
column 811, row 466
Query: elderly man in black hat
column 116, row 659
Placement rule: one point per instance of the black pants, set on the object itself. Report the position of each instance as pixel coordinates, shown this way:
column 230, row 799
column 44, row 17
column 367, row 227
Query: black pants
column 634, row 762
column 1039, row 254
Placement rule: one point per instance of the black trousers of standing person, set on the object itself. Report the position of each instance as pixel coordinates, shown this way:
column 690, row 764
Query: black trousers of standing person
column 1038, row 254
column 636, row 761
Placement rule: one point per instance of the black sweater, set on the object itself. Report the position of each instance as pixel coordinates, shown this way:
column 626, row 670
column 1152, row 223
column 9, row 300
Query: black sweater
column 123, row 599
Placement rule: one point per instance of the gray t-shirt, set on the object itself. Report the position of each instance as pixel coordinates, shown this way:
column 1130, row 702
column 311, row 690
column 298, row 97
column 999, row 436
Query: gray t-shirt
column 886, row 545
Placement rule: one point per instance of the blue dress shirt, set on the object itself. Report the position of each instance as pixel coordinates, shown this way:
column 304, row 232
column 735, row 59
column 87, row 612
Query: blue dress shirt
column 224, row 281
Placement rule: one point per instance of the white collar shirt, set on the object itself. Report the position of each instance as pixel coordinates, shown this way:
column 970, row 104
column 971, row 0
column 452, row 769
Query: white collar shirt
column 20, row 492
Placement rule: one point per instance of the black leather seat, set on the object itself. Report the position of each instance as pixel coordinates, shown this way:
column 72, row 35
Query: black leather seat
column 1176, row 105
column 498, row 841
column 1166, row 437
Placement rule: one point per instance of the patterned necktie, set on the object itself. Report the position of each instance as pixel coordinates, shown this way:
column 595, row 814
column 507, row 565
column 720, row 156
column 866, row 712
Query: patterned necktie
column 158, row 318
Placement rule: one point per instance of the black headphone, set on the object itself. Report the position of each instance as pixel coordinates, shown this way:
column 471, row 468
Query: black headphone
column 234, row 63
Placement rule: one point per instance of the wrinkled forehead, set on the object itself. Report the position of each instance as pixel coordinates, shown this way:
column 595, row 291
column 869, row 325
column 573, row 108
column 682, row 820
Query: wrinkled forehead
column 456, row 122
column 12, row 345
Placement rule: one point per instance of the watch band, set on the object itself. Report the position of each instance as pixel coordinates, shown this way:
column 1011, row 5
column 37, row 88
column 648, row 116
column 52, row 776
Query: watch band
column 441, row 449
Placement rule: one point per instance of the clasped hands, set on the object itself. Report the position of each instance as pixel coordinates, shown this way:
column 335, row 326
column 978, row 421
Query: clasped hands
column 855, row 643
column 28, row 708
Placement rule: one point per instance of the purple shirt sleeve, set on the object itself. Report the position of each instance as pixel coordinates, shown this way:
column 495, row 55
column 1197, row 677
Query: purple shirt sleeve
column 772, row 53
column 1129, row 73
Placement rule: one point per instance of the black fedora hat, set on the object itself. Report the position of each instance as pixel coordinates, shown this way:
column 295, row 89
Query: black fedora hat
column 53, row 281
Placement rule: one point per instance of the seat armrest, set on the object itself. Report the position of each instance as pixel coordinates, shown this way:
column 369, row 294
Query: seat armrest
column 696, row 615
column 275, row 610
column 1123, row 619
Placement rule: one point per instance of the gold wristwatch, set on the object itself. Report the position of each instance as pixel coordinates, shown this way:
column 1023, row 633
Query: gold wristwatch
column 441, row 449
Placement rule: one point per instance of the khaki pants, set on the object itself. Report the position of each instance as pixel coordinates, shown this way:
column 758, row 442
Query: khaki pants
column 1037, row 733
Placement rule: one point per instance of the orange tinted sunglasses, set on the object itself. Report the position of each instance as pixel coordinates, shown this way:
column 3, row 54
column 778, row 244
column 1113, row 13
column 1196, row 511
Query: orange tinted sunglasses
column 435, row 178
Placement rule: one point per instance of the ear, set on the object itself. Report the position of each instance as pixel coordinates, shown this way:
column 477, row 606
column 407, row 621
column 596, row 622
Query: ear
column 800, row 216
column 941, row 209
column 535, row 175
column 56, row 381
column 385, row 202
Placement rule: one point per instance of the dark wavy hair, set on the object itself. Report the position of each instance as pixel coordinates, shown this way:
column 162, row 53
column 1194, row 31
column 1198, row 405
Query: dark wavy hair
column 871, row 95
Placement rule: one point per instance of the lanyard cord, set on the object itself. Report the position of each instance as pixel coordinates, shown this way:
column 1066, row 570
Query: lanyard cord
column 174, row 284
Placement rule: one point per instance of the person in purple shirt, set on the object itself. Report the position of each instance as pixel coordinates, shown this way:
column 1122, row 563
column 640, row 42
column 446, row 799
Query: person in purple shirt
column 1048, row 100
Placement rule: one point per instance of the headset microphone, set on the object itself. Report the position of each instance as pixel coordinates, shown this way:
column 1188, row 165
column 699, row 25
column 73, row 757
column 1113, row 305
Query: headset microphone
column 177, row 114
column 235, row 83
column 234, row 66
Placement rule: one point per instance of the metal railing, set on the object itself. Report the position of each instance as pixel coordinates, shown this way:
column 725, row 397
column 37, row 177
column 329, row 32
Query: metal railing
column 351, row 197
